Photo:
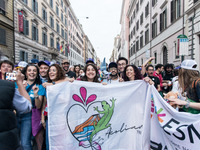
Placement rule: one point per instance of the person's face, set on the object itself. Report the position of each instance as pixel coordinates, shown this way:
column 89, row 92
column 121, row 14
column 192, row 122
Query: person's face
column 162, row 69
column 53, row 73
column 6, row 68
column 150, row 71
column 43, row 70
column 77, row 69
column 90, row 72
column 130, row 72
column 71, row 69
column 121, row 65
column 113, row 71
column 31, row 73
column 65, row 66
column 81, row 72
column 169, row 69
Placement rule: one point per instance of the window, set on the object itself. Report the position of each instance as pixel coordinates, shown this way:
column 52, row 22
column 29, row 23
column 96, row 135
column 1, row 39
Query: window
column 3, row 36
column 25, row 1
column 163, row 20
column 137, row 25
column 176, row 51
column 35, row 56
column 155, row 55
column 134, row 49
column 134, row 31
column 65, row 35
column 35, row 6
column 44, row 38
column 51, row 21
column 23, row 56
column 62, row 3
column 57, row 45
column 66, row 22
column 25, row 26
column 51, row 3
column 62, row 17
column 58, row 28
column 195, row 1
column 65, row 9
column 51, row 41
column 44, row 14
column 141, row 2
column 154, row 29
column 146, row 36
column 175, row 9
column 137, row 7
column 137, row 45
column 134, row 15
column 147, row 10
column 62, row 33
column 57, row 10
column 154, row 2
column 2, row 7
column 141, row 19
column 141, row 41
column 34, row 33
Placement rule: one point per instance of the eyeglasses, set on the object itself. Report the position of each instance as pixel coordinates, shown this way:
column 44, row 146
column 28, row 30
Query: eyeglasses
column 113, row 69
column 65, row 63
column 122, row 64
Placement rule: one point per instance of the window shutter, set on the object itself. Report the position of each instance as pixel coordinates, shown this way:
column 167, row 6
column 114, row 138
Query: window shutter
column 45, row 16
column 36, row 34
column 33, row 33
column 161, row 22
column 33, row 6
column 21, row 56
column 27, row 27
column 3, row 36
column 26, row 56
column 24, row 26
column 36, row 7
column 165, row 18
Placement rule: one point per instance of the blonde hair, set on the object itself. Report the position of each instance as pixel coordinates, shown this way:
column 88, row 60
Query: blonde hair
column 186, row 77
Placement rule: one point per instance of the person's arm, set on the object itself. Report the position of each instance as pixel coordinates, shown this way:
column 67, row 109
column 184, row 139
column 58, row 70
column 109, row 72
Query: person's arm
column 145, row 64
column 158, row 89
column 193, row 105
column 38, row 98
column 21, row 104
column 21, row 88
column 42, row 113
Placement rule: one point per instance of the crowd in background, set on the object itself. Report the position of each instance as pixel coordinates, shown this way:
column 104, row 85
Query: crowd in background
column 180, row 87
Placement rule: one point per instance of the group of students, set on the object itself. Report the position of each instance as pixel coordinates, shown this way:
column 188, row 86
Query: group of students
column 33, row 123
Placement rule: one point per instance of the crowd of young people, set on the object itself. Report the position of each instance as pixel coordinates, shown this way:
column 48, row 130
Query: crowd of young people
column 33, row 125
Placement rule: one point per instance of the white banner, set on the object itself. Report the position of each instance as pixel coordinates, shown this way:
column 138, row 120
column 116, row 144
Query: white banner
column 124, row 116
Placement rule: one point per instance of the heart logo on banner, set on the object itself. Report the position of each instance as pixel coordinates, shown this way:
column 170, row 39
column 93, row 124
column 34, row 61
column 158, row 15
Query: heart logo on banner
column 83, row 132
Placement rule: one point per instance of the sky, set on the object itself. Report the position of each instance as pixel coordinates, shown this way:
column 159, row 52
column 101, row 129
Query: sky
column 103, row 24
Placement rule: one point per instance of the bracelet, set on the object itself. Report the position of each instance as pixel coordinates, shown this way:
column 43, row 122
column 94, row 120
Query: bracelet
column 187, row 104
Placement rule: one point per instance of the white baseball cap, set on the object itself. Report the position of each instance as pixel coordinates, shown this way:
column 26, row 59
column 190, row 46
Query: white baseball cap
column 189, row 64
column 22, row 64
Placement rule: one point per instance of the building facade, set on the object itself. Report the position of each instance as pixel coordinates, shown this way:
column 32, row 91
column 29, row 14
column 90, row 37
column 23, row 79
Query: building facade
column 114, row 55
column 7, row 29
column 47, row 30
column 193, row 29
column 154, row 28
column 124, row 34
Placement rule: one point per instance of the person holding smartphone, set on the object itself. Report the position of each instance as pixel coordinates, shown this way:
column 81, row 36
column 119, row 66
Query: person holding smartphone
column 12, row 99
column 5, row 66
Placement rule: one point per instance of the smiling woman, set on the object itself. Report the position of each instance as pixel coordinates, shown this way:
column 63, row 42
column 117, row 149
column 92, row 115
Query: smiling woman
column 91, row 73
column 29, row 123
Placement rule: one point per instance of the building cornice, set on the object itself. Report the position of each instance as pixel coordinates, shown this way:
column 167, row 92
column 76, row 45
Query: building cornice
column 122, row 10
column 195, row 6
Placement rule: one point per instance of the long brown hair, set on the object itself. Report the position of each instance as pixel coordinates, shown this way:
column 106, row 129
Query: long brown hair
column 60, row 73
column 186, row 77
column 84, row 78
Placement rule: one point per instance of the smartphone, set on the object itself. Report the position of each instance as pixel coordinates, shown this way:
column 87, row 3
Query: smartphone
column 11, row 76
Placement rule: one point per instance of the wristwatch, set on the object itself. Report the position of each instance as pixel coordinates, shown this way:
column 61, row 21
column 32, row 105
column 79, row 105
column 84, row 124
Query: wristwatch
column 187, row 104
